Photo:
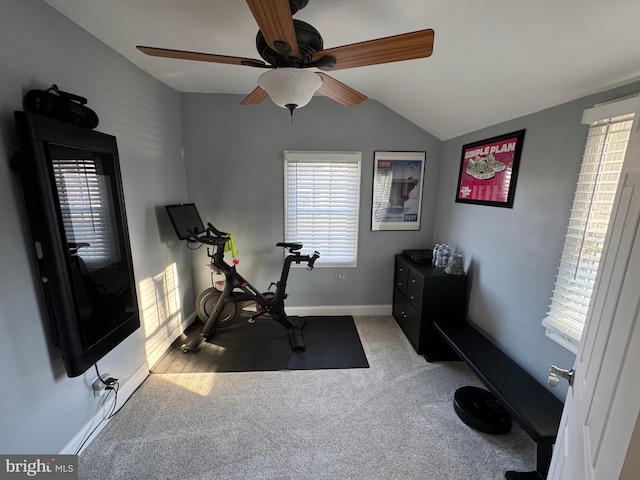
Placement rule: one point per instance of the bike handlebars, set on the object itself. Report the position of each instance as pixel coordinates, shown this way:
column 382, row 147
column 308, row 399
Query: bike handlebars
column 220, row 238
column 312, row 260
column 215, row 231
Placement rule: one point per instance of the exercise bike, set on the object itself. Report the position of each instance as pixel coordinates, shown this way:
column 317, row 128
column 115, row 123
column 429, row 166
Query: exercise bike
column 219, row 308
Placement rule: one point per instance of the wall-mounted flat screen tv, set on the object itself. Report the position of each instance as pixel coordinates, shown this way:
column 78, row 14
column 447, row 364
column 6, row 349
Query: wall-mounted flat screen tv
column 73, row 195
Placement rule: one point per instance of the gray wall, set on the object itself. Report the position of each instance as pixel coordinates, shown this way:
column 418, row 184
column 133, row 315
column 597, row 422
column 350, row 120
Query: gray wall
column 235, row 175
column 41, row 410
column 512, row 255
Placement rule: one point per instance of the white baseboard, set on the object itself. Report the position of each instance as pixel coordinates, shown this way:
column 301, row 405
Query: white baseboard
column 124, row 392
column 187, row 321
column 355, row 310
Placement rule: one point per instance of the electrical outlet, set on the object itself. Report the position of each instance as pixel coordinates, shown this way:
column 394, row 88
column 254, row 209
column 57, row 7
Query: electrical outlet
column 98, row 384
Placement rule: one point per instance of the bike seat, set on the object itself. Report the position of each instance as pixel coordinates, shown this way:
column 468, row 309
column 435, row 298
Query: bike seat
column 291, row 246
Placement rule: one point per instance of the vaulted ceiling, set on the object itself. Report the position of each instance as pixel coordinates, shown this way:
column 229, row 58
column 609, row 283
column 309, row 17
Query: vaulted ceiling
column 493, row 60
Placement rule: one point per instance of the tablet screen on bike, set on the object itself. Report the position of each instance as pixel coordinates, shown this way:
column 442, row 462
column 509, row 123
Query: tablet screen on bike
column 185, row 217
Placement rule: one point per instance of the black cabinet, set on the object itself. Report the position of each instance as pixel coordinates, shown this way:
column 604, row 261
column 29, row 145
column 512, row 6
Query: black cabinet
column 422, row 294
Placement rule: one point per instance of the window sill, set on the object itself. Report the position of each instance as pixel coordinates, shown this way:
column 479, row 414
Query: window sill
column 563, row 339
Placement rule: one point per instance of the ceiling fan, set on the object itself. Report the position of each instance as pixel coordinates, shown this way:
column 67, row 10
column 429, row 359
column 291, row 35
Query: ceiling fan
column 290, row 46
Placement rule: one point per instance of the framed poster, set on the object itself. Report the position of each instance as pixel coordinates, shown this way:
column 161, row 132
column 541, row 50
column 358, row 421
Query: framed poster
column 397, row 190
column 489, row 170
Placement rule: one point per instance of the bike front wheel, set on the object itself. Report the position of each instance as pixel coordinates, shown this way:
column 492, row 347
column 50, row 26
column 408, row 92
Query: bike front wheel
column 205, row 303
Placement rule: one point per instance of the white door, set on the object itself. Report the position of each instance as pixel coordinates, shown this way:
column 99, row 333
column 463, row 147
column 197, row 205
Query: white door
column 602, row 406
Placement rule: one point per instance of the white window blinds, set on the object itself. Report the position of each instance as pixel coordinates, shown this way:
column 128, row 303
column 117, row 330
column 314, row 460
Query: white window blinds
column 595, row 193
column 322, row 204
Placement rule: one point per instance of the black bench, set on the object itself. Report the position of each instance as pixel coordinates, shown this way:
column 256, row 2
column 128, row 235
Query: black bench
column 528, row 402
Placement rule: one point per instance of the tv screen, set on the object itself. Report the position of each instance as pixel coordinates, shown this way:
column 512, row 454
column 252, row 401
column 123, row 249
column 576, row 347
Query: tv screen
column 73, row 195
column 185, row 217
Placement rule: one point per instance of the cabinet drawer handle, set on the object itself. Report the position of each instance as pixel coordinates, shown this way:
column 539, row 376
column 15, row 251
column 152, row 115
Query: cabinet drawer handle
column 413, row 281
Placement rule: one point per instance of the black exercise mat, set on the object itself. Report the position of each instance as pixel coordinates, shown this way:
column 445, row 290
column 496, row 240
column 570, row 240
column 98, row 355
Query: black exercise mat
column 332, row 342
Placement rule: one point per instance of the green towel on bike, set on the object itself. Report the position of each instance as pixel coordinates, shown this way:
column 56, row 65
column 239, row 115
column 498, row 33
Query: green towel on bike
column 230, row 246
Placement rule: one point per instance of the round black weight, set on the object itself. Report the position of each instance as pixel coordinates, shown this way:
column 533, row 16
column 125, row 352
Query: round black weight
column 480, row 410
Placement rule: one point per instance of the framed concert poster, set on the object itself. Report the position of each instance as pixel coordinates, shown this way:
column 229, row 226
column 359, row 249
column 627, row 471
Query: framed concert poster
column 489, row 170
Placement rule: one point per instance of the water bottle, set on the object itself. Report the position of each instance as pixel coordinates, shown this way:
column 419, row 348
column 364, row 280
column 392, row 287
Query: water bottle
column 446, row 254
column 440, row 257
column 435, row 254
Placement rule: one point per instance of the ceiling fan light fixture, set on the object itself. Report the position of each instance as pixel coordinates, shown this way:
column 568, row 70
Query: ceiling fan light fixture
column 290, row 88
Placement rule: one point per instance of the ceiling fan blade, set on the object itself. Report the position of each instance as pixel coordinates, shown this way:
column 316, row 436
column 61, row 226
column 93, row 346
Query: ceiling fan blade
column 339, row 92
column 256, row 96
column 406, row 46
column 274, row 20
column 200, row 57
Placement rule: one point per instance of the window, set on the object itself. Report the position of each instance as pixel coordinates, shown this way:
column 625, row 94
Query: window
column 322, row 203
column 610, row 125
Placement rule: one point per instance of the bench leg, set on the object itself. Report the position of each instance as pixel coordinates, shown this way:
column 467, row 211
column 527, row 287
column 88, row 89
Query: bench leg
column 543, row 461
column 523, row 476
